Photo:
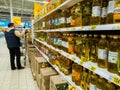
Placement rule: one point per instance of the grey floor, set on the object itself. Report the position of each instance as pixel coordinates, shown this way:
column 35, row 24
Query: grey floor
column 14, row 79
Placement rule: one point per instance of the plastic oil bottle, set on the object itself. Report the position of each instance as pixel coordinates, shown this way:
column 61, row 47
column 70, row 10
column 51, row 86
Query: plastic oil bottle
column 71, row 43
column 78, row 45
column 113, row 55
column 102, row 52
column 78, row 14
column 93, row 81
column 113, row 12
column 87, row 87
column 109, row 86
column 104, row 11
column 101, row 82
column 96, row 12
column 85, row 48
column 87, row 11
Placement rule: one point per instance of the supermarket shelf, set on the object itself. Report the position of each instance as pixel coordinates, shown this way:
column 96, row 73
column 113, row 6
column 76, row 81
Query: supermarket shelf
column 68, row 78
column 85, row 28
column 89, row 65
column 66, row 4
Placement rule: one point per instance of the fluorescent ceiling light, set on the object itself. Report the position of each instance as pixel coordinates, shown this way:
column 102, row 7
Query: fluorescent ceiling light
column 38, row 1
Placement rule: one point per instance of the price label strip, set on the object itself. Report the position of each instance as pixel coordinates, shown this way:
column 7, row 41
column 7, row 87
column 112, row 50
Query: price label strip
column 93, row 27
column 92, row 68
column 116, row 80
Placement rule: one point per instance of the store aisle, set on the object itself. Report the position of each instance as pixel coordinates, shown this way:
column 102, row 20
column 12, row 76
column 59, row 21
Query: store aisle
column 14, row 79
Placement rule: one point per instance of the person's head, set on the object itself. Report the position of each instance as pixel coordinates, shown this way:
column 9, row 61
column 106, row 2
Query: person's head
column 11, row 25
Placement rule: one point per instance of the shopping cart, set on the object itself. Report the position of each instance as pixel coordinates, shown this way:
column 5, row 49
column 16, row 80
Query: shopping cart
column 23, row 48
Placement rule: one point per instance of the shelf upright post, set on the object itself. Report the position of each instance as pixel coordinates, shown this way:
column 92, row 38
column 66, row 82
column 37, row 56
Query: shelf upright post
column 11, row 11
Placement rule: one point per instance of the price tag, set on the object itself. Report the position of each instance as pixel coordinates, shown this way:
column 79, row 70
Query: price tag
column 92, row 68
column 73, row 28
column 81, row 63
column 66, row 29
column 73, row 58
column 93, row 27
column 117, row 26
column 116, row 80
column 67, row 56
column 81, row 28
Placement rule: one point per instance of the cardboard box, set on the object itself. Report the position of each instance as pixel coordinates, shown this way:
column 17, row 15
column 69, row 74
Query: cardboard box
column 45, row 77
column 39, row 61
column 56, row 80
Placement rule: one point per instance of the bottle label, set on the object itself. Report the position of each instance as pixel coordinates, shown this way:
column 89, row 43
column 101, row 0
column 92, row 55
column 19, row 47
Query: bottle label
column 104, row 12
column 117, row 10
column 111, row 5
column 102, row 54
column 68, row 19
column 96, row 10
column 43, row 24
column 93, row 87
column 113, row 57
column 98, row 89
column 59, row 42
column 65, row 44
column 63, row 20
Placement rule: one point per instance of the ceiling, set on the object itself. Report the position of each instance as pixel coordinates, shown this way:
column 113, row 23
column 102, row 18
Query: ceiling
column 22, row 8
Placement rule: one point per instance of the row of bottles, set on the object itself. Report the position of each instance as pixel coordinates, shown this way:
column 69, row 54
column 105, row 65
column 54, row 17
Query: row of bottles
column 64, row 64
column 80, row 75
column 87, row 12
column 101, row 49
column 89, row 80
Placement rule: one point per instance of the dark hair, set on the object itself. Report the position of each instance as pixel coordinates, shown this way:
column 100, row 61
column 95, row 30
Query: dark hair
column 10, row 24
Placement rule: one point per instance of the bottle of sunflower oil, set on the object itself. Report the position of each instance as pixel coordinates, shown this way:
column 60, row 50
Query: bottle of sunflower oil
column 73, row 16
column 93, row 81
column 78, row 14
column 119, row 57
column 68, row 16
column 85, row 48
column 85, row 74
column 101, row 83
column 73, row 71
column 63, row 19
column 96, row 12
column 88, row 80
column 78, row 45
column 109, row 86
column 78, row 70
column 104, row 11
column 113, row 12
column 113, row 55
column 71, row 43
column 102, row 52
column 82, row 84
column 87, row 11
column 67, row 66
column 93, row 48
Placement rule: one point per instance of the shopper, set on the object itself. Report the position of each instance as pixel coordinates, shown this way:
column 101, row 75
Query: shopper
column 12, row 37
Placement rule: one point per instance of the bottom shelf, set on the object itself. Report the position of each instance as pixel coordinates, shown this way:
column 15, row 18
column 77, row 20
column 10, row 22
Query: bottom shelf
column 66, row 77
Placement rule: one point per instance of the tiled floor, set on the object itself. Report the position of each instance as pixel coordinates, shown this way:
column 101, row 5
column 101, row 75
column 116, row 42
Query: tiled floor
column 14, row 79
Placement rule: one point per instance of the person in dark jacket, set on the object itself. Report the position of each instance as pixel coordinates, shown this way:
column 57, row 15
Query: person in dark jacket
column 12, row 37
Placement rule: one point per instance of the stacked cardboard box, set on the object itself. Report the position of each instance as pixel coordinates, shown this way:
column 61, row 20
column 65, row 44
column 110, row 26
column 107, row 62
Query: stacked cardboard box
column 45, row 77
column 39, row 65
column 57, row 82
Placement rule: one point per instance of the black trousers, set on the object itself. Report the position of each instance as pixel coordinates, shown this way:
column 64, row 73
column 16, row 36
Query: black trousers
column 15, row 52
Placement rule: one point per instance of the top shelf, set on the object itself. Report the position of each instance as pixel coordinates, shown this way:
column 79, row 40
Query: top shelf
column 64, row 5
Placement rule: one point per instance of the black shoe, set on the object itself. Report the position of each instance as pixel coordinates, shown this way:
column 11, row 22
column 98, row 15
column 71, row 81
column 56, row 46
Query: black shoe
column 20, row 68
column 13, row 68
